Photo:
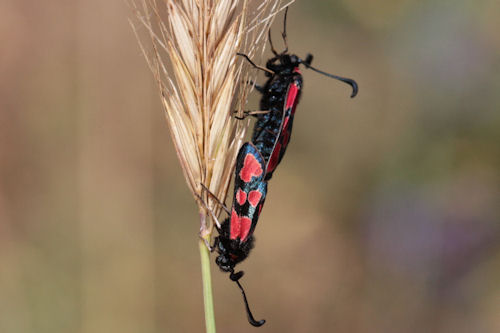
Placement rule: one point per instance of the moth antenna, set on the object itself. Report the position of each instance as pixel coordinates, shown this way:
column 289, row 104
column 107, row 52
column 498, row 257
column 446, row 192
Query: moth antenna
column 271, row 42
column 283, row 34
column 350, row 82
column 251, row 319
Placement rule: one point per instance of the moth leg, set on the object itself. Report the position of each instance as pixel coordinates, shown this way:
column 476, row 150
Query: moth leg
column 254, row 65
column 258, row 87
column 207, row 244
column 216, row 244
column 217, row 223
column 216, row 199
column 256, row 112
column 250, row 113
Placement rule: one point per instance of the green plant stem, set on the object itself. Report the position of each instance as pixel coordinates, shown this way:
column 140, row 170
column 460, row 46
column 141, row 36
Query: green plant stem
column 207, row 288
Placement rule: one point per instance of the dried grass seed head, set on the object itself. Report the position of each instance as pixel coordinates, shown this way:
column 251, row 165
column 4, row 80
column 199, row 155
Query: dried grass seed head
column 197, row 40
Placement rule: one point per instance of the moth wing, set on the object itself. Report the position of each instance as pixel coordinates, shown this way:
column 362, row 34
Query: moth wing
column 250, row 190
column 283, row 137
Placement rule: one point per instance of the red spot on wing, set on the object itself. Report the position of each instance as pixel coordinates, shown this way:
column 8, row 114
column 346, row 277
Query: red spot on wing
column 292, row 96
column 273, row 161
column 235, row 225
column 239, row 226
column 254, row 197
column 241, row 197
column 296, row 70
column 251, row 167
column 246, row 223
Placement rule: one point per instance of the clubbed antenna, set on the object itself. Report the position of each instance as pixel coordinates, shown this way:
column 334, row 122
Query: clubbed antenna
column 350, row 82
column 236, row 277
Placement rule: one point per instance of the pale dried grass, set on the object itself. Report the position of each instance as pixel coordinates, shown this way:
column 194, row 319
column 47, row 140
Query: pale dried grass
column 192, row 54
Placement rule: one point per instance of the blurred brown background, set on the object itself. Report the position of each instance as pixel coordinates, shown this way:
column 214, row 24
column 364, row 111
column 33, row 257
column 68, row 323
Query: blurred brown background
column 383, row 217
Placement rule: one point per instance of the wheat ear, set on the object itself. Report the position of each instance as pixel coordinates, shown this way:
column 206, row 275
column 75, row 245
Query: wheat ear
column 192, row 54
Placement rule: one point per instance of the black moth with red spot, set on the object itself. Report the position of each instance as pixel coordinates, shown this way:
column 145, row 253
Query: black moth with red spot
column 235, row 238
column 280, row 96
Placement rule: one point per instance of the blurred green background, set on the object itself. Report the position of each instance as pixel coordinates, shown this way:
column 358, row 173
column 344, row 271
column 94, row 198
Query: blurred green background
column 383, row 217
